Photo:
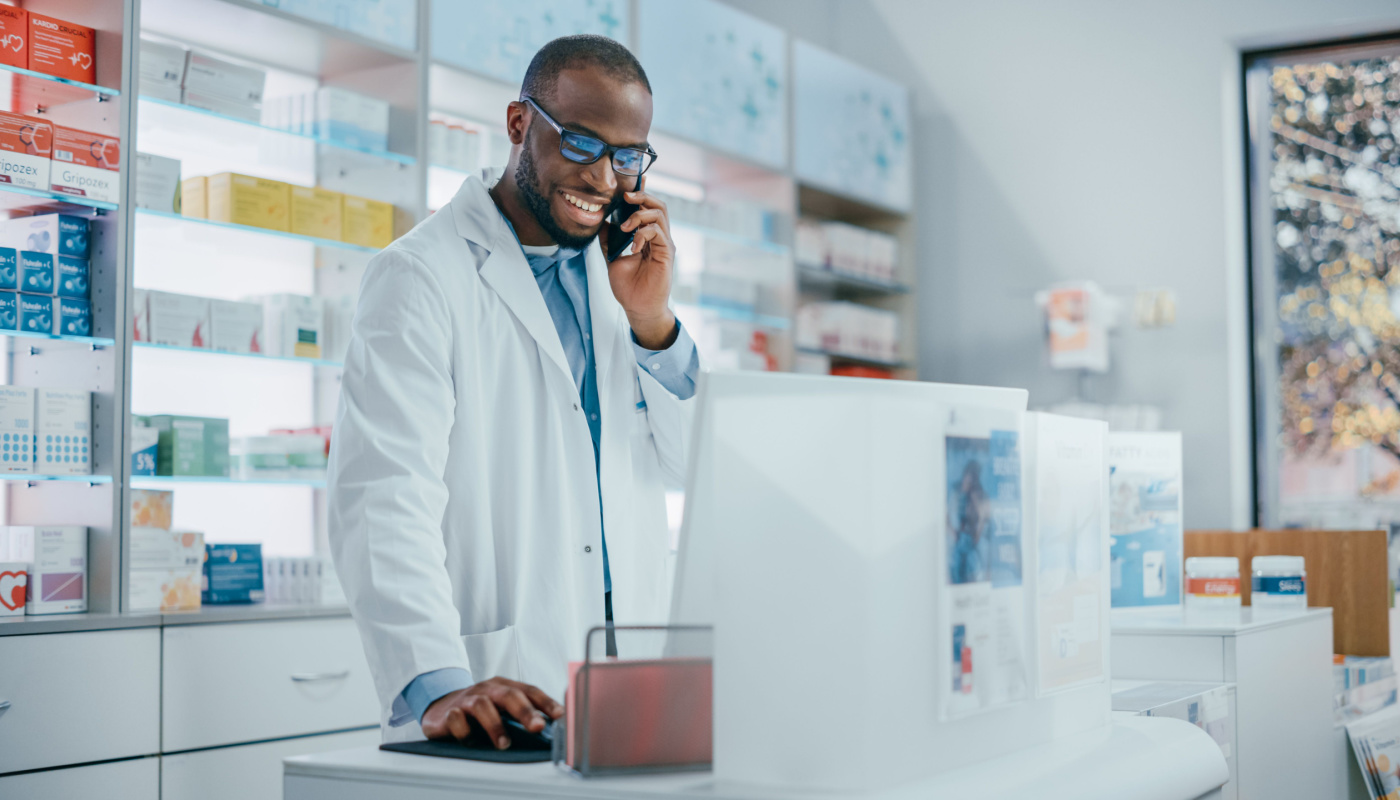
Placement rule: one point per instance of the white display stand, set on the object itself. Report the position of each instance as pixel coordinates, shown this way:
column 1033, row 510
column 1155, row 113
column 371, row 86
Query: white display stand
column 1281, row 665
column 1139, row 757
column 1208, row 706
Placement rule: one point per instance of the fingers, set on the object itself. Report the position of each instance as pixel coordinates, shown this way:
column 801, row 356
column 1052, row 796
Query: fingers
column 645, row 216
column 518, row 705
column 653, row 236
column 483, row 710
column 457, row 724
column 542, row 701
column 641, row 198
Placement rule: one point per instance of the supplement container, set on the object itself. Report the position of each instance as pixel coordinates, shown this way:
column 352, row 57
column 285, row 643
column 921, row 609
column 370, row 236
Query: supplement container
column 1213, row 582
column 1280, row 583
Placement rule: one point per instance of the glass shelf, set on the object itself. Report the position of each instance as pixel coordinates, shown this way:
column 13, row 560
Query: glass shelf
column 12, row 196
column 55, row 337
column 156, row 480
column 147, row 212
column 820, row 275
column 740, row 315
column 91, row 479
column 30, row 88
column 317, row 362
column 733, row 238
column 221, row 119
column 847, row 358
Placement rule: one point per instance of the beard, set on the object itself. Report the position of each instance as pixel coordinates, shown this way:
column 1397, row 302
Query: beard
column 528, row 180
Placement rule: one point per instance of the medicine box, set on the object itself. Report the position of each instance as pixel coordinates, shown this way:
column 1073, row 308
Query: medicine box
column 59, row 234
column 63, row 432
column 62, row 49
column 35, row 313
column 144, row 444
column 152, row 508
column 247, row 200
column 316, row 212
column 223, row 106
column 14, row 37
column 162, row 70
column 17, row 543
column 140, row 321
column 294, row 325
column 9, row 311
column 194, row 197
column 35, row 272
column 233, row 573
column 73, row 316
column 158, row 183
column 368, row 223
column 216, row 78
column 71, row 277
column 177, row 320
column 16, row 429
column 351, row 118
column 191, row 446
column 9, row 269
column 85, row 164
column 58, row 580
column 26, row 143
column 14, row 587
column 236, row 327
column 167, row 569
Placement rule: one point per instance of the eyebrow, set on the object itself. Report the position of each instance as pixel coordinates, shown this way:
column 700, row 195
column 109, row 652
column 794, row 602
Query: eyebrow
column 576, row 128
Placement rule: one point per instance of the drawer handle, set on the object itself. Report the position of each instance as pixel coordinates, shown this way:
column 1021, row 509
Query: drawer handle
column 308, row 677
column 4, row 706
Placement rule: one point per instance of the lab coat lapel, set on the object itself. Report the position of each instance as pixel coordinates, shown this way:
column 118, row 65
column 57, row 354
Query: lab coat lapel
column 606, row 312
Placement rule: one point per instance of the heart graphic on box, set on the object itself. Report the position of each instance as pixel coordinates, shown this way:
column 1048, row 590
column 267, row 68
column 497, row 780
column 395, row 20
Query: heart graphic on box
column 12, row 589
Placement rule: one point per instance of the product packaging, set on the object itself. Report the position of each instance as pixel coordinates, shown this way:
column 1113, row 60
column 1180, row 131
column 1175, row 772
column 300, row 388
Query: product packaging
column 63, row 431
column 177, row 320
column 367, row 223
column 167, row 569
column 35, row 313
column 294, row 325
column 162, row 70
column 35, row 272
column 14, row 37
column 140, row 319
column 235, row 327
column 152, row 508
column 58, row 580
column 194, row 197
column 191, row 446
column 62, row 49
column 158, row 183
column 17, row 543
column 72, row 316
column 16, row 429
column 246, row 200
column 145, row 443
column 278, row 457
column 9, row 311
column 222, row 106
column 215, row 78
column 14, row 587
column 71, row 277
column 26, row 144
column 351, row 118
column 233, row 573
column 9, row 269
column 56, row 234
column 86, row 164
column 316, row 212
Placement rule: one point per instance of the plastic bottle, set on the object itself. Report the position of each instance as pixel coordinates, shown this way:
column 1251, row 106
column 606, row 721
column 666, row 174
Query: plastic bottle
column 1280, row 583
column 1213, row 582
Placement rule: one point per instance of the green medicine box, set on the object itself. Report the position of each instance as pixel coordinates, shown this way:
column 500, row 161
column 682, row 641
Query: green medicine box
column 191, row 446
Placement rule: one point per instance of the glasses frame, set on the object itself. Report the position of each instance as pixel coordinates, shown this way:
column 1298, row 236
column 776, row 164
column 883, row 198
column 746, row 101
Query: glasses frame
column 608, row 150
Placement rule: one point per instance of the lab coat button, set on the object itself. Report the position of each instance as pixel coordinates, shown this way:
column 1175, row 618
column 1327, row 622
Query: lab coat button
column 576, row 406
column 587, row 548
column 655, row 365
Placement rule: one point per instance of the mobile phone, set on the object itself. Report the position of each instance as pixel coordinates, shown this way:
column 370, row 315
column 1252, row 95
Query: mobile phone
column 618, row 240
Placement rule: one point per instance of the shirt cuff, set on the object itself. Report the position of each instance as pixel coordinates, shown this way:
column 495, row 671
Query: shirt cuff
column 423, row 690
column 676, row 367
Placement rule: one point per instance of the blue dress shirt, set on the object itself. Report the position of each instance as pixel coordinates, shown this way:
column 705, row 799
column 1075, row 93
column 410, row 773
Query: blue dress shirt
column 563, row 280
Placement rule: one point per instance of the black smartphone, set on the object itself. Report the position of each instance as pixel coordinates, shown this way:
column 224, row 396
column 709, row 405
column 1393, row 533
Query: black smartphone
column 617, row 238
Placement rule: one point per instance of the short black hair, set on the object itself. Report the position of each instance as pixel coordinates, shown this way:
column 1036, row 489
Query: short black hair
column 573, row 52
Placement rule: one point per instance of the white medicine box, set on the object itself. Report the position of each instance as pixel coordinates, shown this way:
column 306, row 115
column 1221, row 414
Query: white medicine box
column 166, row 568
column 63, row 433
column 58, row 581
column 236, row 327
column 158, row 183
column 294, row 325
column 162, row 70
column 16, row 429
column 177, row 320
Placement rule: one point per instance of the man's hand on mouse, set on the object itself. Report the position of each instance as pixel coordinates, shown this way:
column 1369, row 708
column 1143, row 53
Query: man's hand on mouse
column 454, row 715
column 641, row 282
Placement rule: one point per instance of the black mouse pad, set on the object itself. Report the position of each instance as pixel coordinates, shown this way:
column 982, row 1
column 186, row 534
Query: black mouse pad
column 445, row 749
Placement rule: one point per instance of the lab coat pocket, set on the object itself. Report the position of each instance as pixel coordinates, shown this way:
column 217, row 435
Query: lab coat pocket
column 493, row 655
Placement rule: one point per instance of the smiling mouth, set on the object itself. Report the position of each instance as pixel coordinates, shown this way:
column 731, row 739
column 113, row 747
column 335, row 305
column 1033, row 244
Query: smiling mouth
column 582, row 211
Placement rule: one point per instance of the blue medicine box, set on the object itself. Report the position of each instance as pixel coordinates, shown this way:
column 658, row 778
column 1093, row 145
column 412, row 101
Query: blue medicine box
column 9, row 311
column 35, row 272
column 233, row 573
column 74, row 316
column 9, row 269
column 70, row 277
column 35, row 313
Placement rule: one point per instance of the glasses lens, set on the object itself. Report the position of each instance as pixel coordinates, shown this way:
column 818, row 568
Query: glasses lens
column 630, row 162
column 580, row 148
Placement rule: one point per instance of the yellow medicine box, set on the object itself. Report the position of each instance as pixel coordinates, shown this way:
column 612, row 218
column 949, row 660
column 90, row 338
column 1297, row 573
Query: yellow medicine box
column 316, row 212
column 246, row 200
column 195, row 194
column 368, row 223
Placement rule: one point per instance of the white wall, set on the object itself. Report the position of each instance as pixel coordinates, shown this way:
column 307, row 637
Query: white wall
column 1093, row 139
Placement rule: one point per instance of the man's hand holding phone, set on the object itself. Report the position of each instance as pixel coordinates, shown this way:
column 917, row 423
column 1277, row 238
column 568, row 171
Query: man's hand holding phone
column 641, row 282
column 455, row 715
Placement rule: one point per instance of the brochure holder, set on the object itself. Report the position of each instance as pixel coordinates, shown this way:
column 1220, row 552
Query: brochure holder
column 647, row 710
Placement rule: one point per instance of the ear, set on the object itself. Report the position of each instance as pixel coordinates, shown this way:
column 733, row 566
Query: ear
column 516, row 122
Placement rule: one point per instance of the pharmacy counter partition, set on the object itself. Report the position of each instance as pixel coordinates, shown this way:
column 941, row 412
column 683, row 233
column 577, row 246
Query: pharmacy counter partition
column 1144, row 758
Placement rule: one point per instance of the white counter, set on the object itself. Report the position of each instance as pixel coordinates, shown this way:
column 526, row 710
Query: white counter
column 1144, row 758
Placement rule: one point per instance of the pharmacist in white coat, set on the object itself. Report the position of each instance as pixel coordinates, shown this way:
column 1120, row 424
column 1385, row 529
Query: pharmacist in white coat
column 512, row 407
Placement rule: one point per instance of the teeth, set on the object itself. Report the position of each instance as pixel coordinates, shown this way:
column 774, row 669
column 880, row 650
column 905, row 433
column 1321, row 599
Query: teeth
column 581, row 204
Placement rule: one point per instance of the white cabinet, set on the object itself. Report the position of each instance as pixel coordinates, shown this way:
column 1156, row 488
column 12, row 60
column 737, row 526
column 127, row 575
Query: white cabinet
column 78, row 697
column 244, row 682
column 246, row 771
column 135, row 779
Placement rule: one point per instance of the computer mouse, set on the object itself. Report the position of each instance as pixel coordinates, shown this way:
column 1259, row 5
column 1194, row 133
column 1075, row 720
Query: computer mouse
column 520, row 737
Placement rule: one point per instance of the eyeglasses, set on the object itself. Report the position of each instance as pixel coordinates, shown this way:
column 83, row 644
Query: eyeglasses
column 584, row 149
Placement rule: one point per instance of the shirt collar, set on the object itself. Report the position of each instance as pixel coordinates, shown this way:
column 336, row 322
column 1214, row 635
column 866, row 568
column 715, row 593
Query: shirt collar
column 539, row 262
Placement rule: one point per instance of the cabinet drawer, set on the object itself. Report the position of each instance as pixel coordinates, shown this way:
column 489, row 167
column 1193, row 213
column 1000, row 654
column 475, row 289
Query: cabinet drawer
column 246, row 771
column 243, row 682
column 79, row 697
column 137, row 779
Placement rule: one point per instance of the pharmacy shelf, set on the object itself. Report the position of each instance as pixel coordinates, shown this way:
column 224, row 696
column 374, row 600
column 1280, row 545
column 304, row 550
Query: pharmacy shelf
column 819, row 276
column 193, row 117
column 740, row 315
column 317, row 362
column 92, row 341
column 846, row 358
column 161, row 480
column 733, row 238
column 31, row 478
column 12, row 196
column 37, row 88
column 319, row 242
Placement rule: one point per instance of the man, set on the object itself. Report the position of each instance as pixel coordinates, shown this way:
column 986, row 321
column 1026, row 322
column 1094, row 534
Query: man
column 511, row 407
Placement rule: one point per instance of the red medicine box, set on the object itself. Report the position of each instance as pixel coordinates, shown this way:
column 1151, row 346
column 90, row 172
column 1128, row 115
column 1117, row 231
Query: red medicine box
column 61, row 49
column 14, row 37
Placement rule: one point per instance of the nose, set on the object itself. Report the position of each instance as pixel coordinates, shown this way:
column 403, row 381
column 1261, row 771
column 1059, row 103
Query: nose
column 600, row 177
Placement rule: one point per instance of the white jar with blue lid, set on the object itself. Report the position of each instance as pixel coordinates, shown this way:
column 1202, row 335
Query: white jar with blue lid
column 1279, row 583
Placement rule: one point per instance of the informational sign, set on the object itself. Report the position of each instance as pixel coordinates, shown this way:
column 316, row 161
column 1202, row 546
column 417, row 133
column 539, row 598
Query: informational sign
column 393, row 22
column 499, row 39
column 850, row 129
column 718, row 76
column 1376, row 742
column 1145, row 518
column 1078, row 318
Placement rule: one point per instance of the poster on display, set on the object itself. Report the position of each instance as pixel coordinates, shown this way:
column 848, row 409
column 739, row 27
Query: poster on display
column 393, row 22
column 983, row 602
column 1067, row 508
column 1375, row 741
column 1078, row 318
column 724, row 83
column 499, row 39
column 1145, row 521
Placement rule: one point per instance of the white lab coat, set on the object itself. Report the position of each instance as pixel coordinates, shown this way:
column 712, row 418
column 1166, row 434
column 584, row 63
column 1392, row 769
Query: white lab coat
column 464, row 517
